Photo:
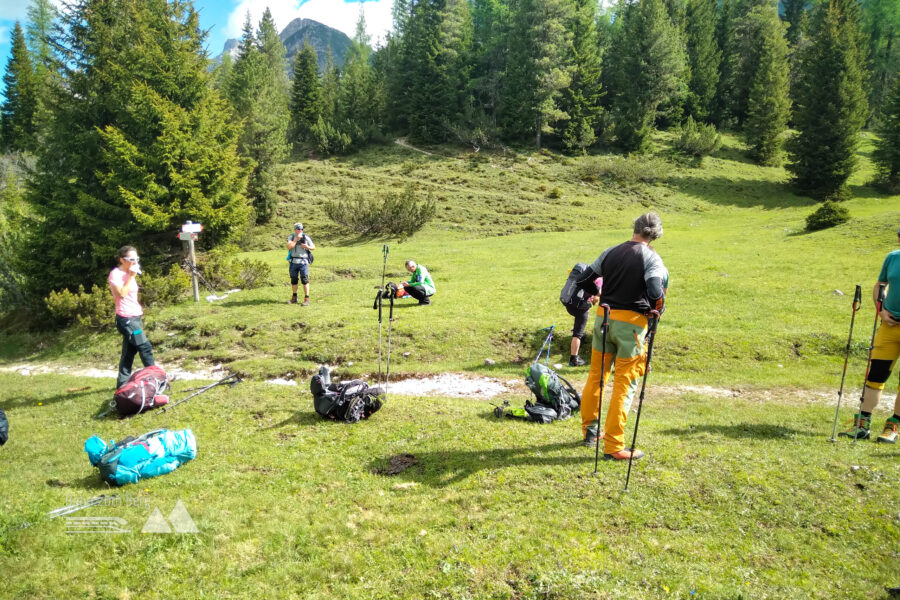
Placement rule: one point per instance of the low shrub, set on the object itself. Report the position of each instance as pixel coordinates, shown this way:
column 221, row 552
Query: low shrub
column 94, row 309
column 223, row 272
column 164, row 290
column 625, row 169
column 698, row 139
column 827, row 215
column 401, row 214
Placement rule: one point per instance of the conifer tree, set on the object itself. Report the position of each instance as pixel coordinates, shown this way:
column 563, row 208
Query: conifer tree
column 17, row 113
column 258, row 93
column 139, row 143
column 795, row 18
column 881, row 26
column 704, row 57
column 830, row 103
column 768, row 105
column 581, row 99
column 650, row 64
column 490, row 32
column 42, row 16
column 537, row 68
column 306, row 94
column 359, row 113
column 887, row 149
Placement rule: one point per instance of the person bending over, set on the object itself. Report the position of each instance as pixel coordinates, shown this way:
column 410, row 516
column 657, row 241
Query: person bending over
column 885, row 352
column 634, row 283
column 420, row 286
column 124, row 287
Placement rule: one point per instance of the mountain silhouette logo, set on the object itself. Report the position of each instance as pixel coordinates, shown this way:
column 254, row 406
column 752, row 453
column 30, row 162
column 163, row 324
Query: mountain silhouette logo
column 179, row 518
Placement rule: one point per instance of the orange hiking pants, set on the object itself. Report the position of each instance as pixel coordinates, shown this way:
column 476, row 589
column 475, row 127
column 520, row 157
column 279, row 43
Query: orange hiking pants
column 624, row 349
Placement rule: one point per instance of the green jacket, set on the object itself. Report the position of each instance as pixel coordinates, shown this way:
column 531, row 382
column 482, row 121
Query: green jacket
column 422, row 278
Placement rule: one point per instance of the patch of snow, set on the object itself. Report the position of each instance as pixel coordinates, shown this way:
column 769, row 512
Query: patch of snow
column 280, row 381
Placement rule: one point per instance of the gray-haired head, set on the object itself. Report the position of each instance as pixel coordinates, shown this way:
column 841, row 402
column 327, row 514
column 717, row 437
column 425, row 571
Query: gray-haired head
column 648, row 226
column 411, row 264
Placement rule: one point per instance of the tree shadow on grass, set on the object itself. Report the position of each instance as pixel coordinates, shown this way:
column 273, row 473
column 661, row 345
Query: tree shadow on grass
column 302, row 418
column 232, row 303
column 759, row 431
column 443, row 468
column 23, row 401
column 741, row 193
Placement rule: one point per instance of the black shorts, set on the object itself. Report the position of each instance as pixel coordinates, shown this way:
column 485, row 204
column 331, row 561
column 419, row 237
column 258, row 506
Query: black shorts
column 581, row 319
column 300, row 271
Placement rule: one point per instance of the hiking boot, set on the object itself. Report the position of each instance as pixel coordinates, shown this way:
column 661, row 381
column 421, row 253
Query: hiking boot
column 293, row 299
column 624, row 454
column 860, row 429
column 305, row 301
column 424, row 302
column 590, row 439
column 576, row 361
column 891, row 432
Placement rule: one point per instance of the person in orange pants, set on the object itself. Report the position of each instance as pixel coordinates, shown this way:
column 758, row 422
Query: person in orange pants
column 634, row 283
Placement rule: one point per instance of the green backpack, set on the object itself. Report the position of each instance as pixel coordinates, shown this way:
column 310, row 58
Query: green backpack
column 555, row 398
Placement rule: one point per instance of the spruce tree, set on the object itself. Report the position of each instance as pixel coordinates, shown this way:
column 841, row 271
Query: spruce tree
column 830, row 103
column 650, row 66
column 538, row 69
column 42, row 17
column 887, row 148
column 359, row 113
column 881, row 26
column 704, row 57
column 306, row 94
column 490, row 32
column 581, row 99
column 259, row 94
column 139, row 143
column 17, row 113
column 794, row 17
column 768, row 105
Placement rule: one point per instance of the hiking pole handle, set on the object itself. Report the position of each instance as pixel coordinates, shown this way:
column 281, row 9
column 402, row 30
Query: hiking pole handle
column 857, row 298
column 879, row 302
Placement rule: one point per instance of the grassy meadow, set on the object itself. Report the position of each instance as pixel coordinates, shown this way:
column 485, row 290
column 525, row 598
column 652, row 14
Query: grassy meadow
column 741, row 495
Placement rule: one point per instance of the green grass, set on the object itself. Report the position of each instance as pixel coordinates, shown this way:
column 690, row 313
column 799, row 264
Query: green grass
column 741, row 497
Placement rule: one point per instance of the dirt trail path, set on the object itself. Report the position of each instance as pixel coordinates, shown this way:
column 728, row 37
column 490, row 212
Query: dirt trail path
column 466, row 385
column 402, row 142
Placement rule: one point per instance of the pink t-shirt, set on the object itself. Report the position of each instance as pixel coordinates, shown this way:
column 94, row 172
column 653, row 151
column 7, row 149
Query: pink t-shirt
column 129, row 305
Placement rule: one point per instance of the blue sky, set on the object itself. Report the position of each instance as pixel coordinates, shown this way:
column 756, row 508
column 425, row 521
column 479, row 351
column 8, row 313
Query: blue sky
column 224, row 18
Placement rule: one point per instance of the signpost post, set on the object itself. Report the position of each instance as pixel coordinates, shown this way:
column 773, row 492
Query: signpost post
column 189, row 233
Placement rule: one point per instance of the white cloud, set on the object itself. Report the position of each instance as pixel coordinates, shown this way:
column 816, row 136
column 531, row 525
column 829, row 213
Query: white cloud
column 5, row 37
column 338, row 14
column 17, row 10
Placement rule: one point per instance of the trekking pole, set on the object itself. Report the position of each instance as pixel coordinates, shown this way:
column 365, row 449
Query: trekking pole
column 654, row 322
column 384, row 253
column 546, row 344
column 387, row 375
column 230, row 381
column 377, row 306
column 857, row 299
column 604, row 327
column 879, row 303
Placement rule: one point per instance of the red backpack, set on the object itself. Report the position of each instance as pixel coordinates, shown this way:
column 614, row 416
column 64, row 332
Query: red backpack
column 143, row 390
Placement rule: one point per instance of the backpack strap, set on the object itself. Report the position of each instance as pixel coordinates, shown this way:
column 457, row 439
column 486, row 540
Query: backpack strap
column 570, row 388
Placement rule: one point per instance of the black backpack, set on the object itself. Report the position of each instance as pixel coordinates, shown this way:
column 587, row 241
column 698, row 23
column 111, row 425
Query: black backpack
column 4, row 428
column 570, row 294
column 349, row 401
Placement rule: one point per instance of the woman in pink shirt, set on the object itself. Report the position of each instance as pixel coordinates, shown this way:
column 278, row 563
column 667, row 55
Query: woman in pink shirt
column 124, row 287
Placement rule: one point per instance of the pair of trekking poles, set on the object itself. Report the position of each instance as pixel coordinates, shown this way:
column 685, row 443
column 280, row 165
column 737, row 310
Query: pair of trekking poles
column 379, row 297
column 857, row 300
column 652, row 324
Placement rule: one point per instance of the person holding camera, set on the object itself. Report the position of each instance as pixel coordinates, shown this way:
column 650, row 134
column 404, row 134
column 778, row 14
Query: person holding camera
column 299, row 245
column 420, row 286
column 124, row 287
